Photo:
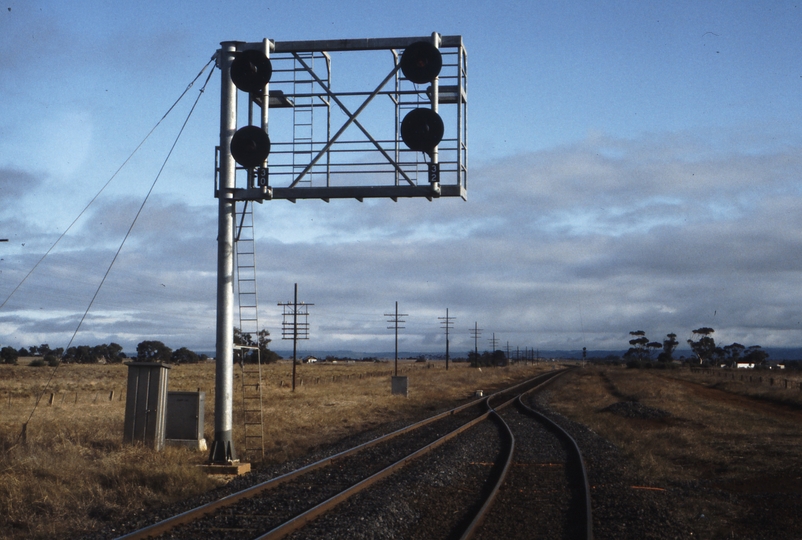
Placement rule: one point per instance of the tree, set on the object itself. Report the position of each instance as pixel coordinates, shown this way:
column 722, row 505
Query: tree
column 249, row 355
column 755, row 354
column 499, row 358
column 82, row 354
column 638, row 345
column 731, row 354
column 669, row 346
column 153, row 351
column 114, row 353
column 184, row 356
column 41, row 350
column 268, row 356
column 653, row 345
column 705, row 346
column 9, row 355
column 51, row 356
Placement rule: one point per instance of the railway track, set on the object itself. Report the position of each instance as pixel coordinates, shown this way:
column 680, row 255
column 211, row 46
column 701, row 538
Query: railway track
column 455, row 465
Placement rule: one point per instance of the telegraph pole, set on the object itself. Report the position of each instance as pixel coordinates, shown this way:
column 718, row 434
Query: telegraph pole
column 396, row 321
column 295, row 330
column 475, row 333
column 447, row 323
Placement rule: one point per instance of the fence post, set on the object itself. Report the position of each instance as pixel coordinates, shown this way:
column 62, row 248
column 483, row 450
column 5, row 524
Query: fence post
column 52, row 398
column 111, row 395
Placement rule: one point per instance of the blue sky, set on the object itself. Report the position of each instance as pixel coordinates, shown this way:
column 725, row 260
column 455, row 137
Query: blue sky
column 632, row 166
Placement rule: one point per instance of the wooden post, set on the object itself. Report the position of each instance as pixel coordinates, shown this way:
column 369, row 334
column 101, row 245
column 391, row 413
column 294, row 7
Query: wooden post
column 52, row 398
column 111, row 395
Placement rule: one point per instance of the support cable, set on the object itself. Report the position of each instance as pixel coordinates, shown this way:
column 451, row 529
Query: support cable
column 127, row 234
column 113, row 176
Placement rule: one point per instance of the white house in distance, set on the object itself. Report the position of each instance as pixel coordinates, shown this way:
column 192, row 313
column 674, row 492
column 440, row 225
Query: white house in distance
column 309, row 360
column 743, row 364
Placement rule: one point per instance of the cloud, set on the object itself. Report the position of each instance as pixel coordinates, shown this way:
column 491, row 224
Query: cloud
column 14, row 183
column 595, row 238
column 563, row 248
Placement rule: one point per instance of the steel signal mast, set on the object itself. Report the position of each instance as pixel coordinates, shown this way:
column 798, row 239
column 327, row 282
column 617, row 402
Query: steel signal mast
column 418, row 149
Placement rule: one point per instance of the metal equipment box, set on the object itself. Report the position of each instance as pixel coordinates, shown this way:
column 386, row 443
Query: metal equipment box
column 185, row 412
column 400, row 385
column 146, row 404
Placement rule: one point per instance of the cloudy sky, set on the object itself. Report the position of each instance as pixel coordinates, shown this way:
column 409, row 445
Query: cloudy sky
column 632, row 166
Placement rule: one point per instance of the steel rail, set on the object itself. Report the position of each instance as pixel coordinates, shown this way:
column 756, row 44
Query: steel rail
column 194, row 514
column 474, row 525
column 585, row 500
column 301, row 520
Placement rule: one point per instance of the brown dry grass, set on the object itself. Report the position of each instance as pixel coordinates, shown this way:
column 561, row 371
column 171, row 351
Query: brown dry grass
column 74, row 474
column 710, row 433
column 738, row 438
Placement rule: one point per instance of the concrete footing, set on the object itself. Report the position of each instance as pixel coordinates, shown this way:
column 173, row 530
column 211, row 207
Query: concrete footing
column 229, row 469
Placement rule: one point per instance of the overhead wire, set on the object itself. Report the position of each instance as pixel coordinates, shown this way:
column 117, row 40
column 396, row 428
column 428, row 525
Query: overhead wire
column 102, row 189
column 130, row 228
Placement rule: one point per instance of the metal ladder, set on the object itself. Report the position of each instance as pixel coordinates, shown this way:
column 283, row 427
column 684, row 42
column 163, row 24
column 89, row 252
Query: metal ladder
column 245, row 257
column 303, row 116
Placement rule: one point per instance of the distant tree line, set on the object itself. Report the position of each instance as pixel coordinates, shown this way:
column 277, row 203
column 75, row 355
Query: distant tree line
column 702, row 344
column 146, row 351
column 495, row 358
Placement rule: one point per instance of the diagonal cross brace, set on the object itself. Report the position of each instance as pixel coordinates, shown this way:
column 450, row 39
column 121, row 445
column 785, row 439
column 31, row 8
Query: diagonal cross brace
column 351, row 120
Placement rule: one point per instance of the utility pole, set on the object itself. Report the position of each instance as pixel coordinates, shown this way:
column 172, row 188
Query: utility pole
column 295, row 330
column 493, row 341
column 475, row 333
column 447, row 323
column 396, row 321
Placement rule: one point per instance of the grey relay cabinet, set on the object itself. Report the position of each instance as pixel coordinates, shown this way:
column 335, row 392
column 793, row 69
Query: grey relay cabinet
column 146, row 404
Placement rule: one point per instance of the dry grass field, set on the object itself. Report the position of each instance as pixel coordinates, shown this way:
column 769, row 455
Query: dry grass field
column 74, row 474
column 741, row 440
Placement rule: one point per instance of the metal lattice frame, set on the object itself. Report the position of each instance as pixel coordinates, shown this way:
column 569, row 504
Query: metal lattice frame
column 362, row 159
